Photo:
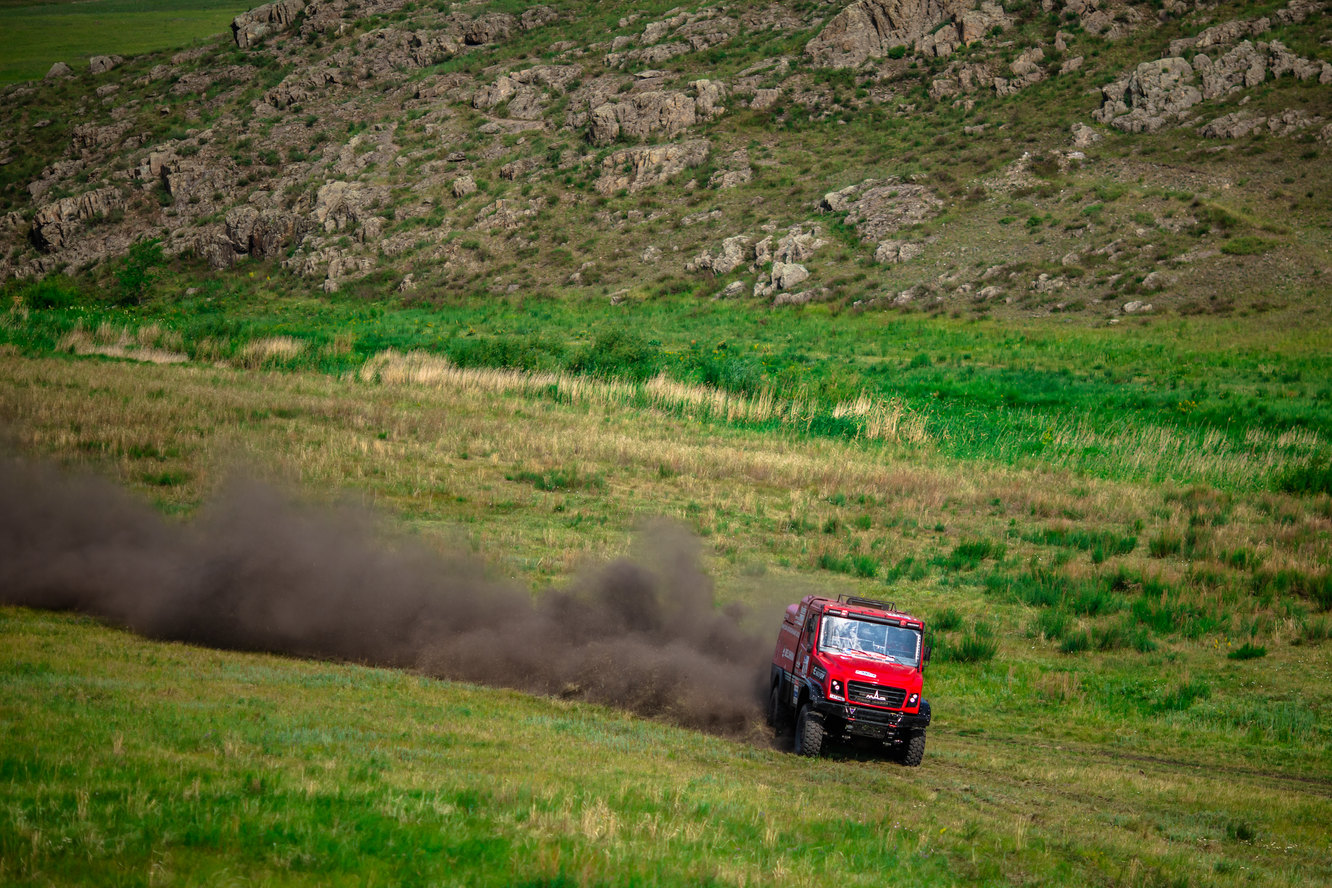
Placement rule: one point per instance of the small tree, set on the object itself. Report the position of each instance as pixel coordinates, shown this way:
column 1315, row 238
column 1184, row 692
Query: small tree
column 138, row 271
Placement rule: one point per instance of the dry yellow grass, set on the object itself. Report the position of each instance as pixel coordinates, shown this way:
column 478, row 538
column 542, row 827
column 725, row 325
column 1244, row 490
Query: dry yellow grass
column 883, row 420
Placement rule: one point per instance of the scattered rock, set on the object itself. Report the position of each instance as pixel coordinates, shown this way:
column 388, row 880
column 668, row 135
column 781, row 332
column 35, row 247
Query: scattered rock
column 1137, row 307
column 101, row 64
column 59, row 69
column 1084, row 136
column 463, row 186
column 787, row 257
column 892, row 252
column 1154, row 281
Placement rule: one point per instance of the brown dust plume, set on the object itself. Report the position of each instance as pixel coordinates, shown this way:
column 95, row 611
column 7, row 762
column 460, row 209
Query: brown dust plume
column 256, row 571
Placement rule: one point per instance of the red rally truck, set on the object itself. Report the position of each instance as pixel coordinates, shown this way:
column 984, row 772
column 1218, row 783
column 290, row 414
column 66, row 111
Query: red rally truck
column 851, row 669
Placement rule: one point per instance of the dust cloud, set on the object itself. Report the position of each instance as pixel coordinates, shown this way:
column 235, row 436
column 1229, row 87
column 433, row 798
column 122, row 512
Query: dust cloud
column 257, row 571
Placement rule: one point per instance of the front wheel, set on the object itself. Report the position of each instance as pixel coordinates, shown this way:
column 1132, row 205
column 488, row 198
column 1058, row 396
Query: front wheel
column 914, row 751
column 809, row 734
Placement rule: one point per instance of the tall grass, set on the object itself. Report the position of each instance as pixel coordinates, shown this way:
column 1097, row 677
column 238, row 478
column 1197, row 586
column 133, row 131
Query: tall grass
column 864, row 416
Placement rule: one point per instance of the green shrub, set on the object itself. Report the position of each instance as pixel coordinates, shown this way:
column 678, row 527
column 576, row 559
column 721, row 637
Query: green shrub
column 1313, row 477
column 1247, row 651
column 619, row 354
column 1165, row 544
column 969, row 555
column 977, row 646
column 1247, row 246
column 947, row 620
column 1076, row 643
column 559, row 479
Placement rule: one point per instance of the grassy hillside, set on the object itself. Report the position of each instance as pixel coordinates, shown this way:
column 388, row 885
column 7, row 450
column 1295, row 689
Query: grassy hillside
column 134, row 762
column 1132, row 683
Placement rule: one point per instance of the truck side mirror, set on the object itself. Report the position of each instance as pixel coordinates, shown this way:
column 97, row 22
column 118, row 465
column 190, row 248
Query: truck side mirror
column 926, row 658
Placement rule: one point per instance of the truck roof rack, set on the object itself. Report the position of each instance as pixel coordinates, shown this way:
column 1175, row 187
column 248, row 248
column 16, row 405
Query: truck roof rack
column 867, row 602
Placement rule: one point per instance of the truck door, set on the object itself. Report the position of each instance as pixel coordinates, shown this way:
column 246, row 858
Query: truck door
column 806, row 643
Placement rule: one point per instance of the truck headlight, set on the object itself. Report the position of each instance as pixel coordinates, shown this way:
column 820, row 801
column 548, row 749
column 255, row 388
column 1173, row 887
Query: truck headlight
column 912, row 701
column 835, row 690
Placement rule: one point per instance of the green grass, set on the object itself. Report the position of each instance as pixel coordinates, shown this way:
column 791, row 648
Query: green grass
column 39, row 34
column 1099, row 691
column 122, row 757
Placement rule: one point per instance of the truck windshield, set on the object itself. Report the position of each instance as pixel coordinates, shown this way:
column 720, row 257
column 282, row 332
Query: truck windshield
column 878, row 641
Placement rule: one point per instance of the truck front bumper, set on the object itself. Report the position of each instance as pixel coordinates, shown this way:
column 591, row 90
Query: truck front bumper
column 866, row 721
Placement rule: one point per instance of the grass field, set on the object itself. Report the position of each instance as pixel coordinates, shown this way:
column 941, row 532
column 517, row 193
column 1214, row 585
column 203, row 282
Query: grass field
column 36, row 35
column 1131, row 685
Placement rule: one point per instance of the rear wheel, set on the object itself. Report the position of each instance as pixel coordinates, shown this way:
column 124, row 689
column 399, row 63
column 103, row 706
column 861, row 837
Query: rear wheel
column 914, row 751
column 809, row 734
column 777, row 714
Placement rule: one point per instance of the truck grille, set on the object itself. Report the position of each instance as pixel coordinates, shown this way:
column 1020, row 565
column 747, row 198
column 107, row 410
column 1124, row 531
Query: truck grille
column 874, row 694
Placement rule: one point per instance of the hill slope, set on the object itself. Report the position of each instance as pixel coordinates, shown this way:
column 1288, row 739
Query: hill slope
column 1100, row 158
column 161, row 762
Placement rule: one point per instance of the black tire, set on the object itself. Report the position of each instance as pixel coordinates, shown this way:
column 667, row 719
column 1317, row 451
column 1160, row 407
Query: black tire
column 914, row 751
column 809, row 734
column 777, row 714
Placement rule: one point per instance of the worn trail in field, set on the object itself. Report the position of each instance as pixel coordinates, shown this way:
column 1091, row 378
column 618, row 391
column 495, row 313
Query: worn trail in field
column 256, row 571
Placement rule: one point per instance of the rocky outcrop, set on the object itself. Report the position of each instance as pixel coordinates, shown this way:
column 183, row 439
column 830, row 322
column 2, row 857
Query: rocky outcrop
column 249, row 28
column 868, row 29
column 1160, row 93
column 634, row 169
column 1026, row 70
column 878, row 208
column 666, row 114
column 493, row 27
column 88, row 138
column 1153, row 96
column 688, row 32
column 726, row 259
column 262, row 233
column 54, row 224
column 342, row 205
column 1239, row 124
column 523, row 90
column 59, row 69
column 891, row 252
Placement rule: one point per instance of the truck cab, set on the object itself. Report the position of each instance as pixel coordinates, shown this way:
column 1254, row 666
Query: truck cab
column 850, row 669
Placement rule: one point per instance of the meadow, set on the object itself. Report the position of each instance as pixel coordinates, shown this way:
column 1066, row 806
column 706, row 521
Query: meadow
column 37, row 35
column 1119, row 536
